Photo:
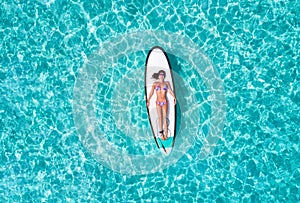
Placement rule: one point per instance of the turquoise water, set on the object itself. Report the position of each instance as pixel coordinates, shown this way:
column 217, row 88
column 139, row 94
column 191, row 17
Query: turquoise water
column 253, row 47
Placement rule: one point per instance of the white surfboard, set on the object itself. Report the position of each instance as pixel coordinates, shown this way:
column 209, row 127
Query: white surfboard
column 157, row 60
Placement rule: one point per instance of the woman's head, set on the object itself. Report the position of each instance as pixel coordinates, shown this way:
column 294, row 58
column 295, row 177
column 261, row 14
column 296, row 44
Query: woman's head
column 161, row 74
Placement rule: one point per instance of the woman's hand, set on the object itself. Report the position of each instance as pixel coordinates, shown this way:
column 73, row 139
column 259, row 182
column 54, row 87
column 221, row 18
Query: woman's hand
column 148, row 103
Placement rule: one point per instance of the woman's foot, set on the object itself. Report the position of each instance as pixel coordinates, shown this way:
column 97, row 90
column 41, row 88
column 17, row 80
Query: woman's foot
column 166, row 135
column 162, row 134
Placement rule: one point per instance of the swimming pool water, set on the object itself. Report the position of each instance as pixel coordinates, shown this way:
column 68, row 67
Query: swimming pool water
column 253, row 47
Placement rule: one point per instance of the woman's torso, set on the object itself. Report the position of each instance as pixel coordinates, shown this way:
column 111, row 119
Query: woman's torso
column 161, row 91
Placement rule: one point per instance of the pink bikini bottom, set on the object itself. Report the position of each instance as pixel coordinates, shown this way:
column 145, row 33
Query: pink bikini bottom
column 161, row 103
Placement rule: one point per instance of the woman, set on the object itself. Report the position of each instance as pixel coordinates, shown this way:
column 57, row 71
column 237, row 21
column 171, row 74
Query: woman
column 161, row 87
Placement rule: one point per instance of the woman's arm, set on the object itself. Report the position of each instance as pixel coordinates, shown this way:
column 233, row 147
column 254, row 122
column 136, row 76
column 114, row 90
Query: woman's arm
column 171, row 92
column 150, row 95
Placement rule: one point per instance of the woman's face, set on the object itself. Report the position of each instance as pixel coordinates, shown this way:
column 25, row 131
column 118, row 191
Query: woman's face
column 161, row 75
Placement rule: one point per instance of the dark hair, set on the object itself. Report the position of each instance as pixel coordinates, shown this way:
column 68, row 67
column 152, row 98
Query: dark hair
column 156, row 75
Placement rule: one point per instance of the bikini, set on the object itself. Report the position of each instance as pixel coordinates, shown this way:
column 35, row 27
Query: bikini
column 159, row 88
column 162, row 103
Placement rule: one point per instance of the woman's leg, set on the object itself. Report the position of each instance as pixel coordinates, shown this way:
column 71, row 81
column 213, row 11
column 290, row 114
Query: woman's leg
column 159, row 115
column 164, row 118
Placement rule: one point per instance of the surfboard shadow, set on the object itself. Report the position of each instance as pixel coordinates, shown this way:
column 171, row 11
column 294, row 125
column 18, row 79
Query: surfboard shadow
column 181, row 95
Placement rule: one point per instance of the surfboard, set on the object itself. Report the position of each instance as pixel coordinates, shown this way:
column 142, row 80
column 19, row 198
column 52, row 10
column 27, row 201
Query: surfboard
column 157, row 60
